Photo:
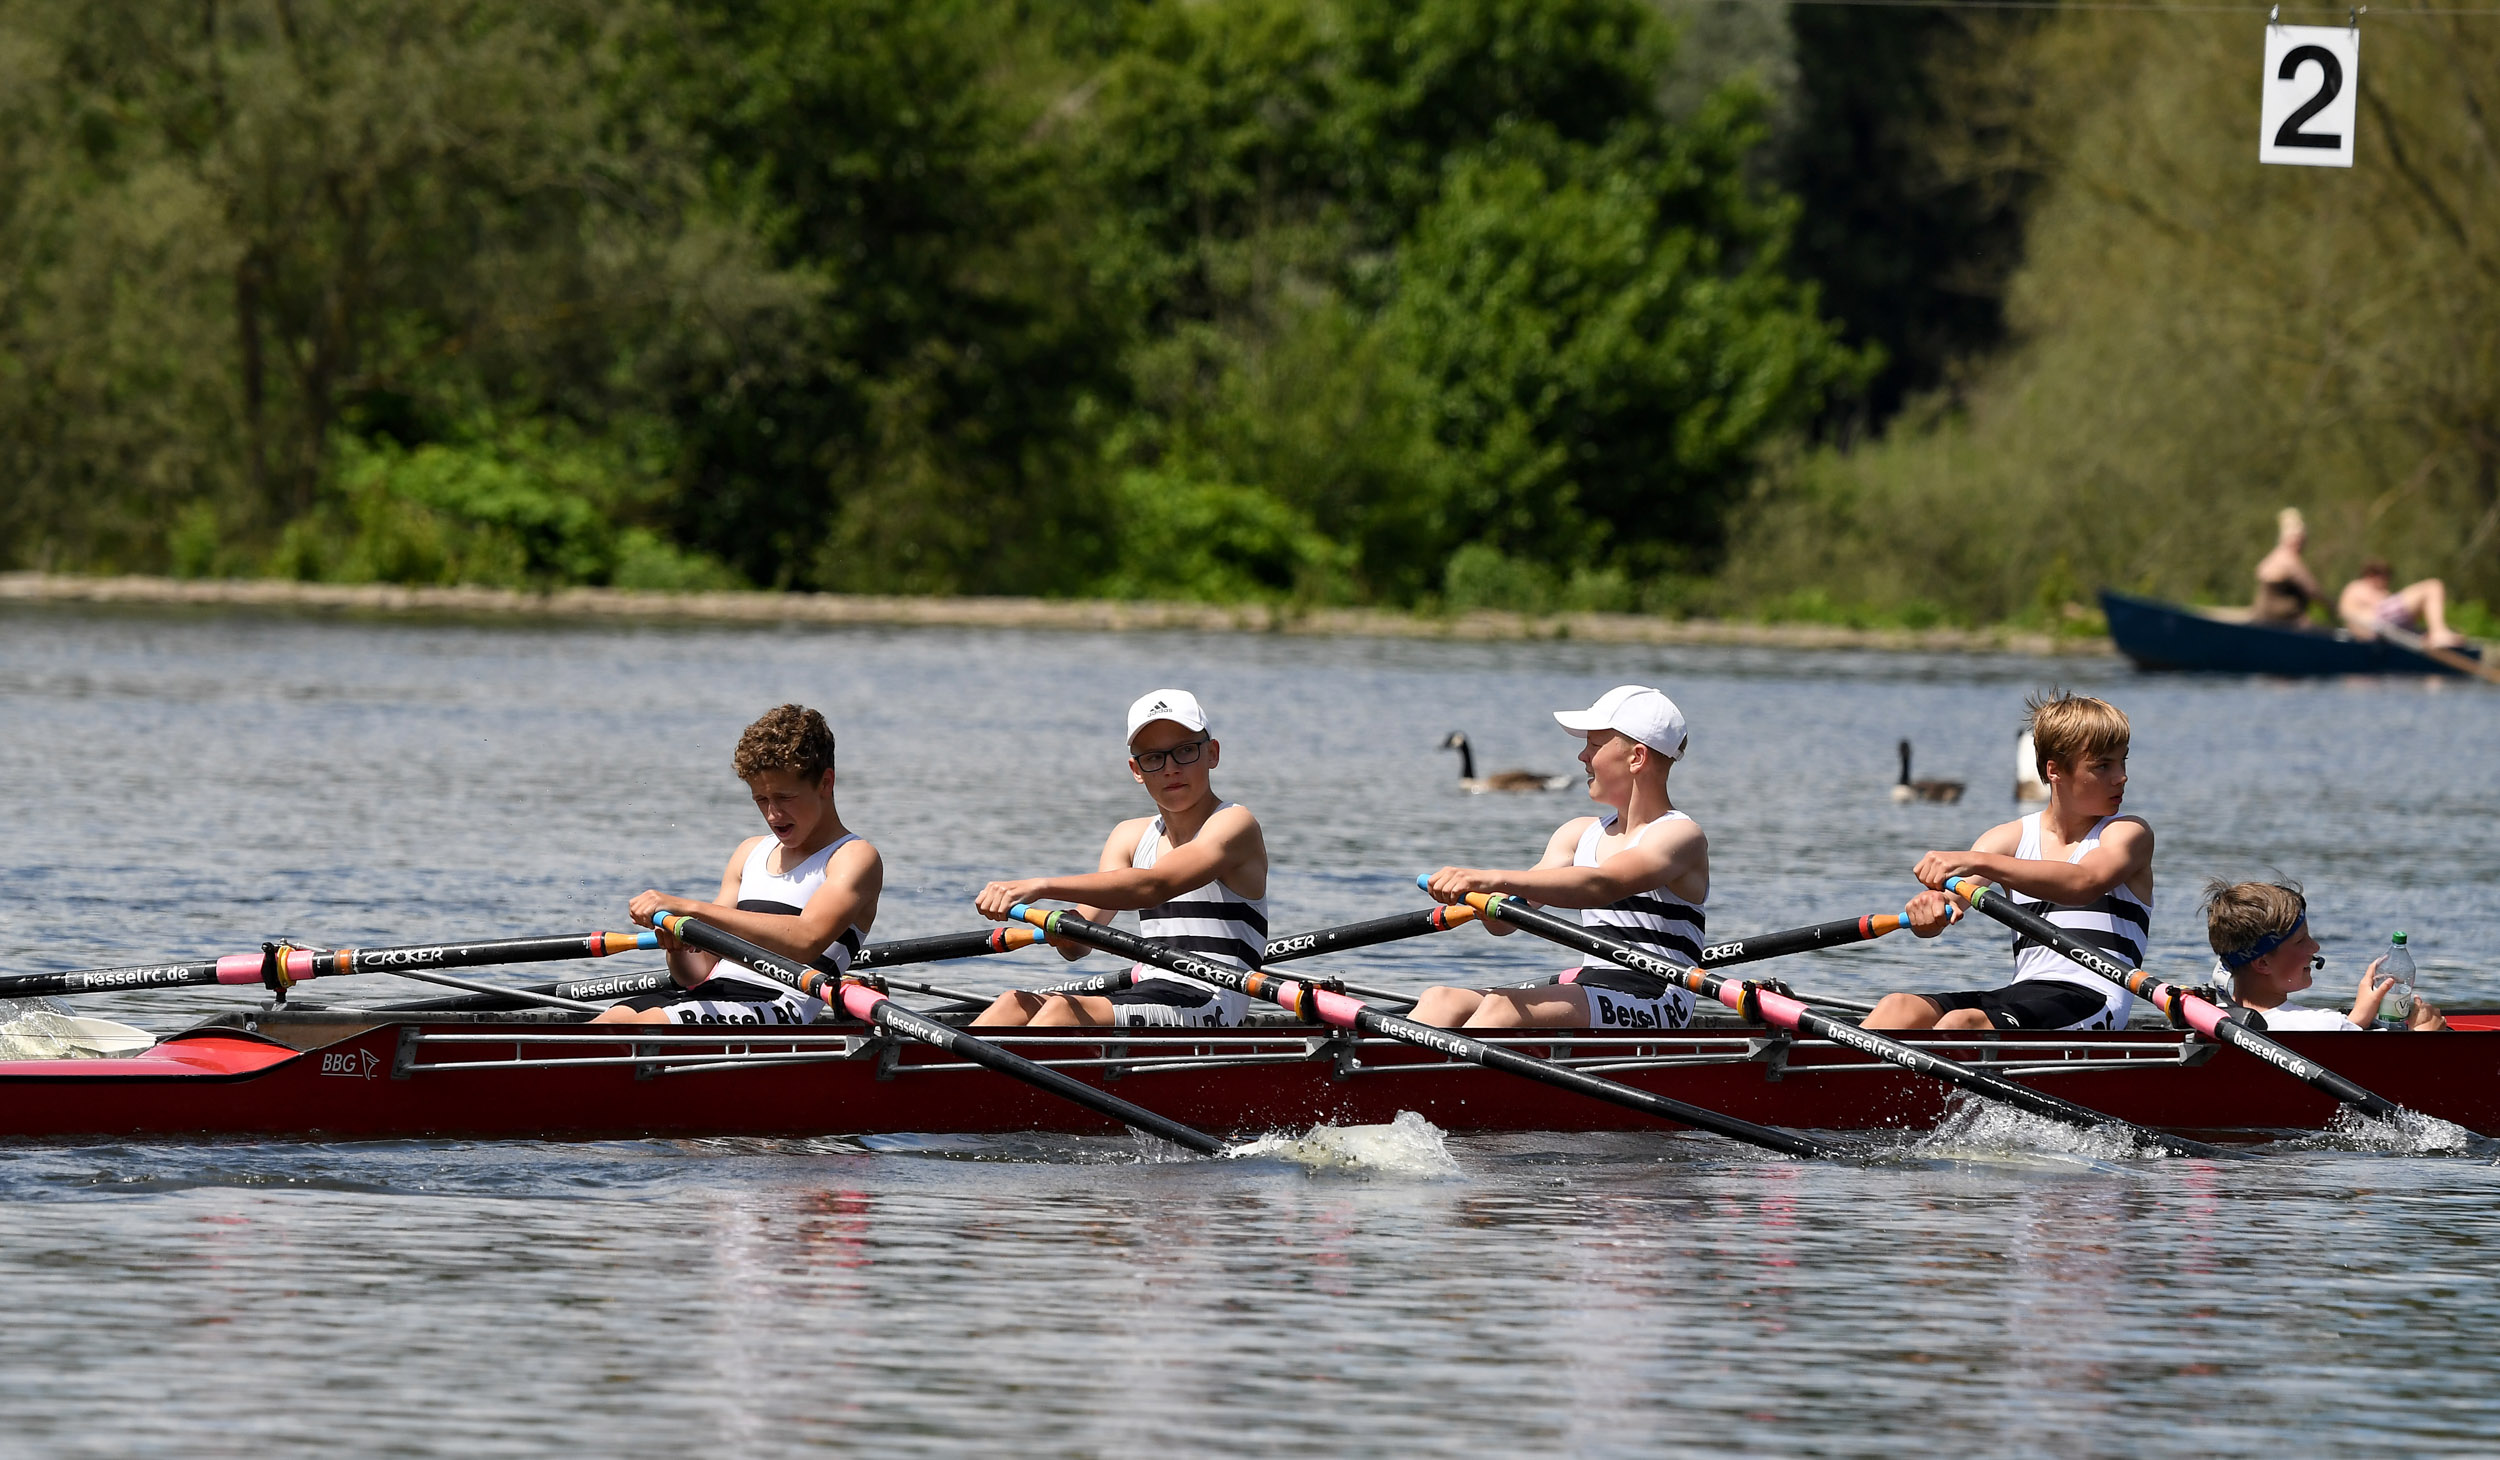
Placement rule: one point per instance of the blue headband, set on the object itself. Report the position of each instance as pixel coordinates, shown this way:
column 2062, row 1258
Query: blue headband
column 2263, row 946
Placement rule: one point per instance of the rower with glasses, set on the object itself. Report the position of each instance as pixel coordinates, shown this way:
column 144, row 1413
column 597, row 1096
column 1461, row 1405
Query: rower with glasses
column 1195, row 873
column 2260, row 932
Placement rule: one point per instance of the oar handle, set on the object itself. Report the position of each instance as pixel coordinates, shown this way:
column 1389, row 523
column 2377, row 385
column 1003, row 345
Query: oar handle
column 946, row 947
column 2202, row 1014
column 872, row 1007
column 1346, row 1012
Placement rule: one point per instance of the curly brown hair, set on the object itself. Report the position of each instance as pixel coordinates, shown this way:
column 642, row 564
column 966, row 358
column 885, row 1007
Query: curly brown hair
column 786, row 738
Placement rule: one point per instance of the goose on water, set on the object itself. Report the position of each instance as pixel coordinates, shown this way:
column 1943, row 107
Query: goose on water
column 2027, row 783
column 1908, row 790
column 1499, row 780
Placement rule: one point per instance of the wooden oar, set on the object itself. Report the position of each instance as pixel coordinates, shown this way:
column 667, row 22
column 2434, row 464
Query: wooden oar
column 871, row 1006
column 2203, row 1015
column 2462, row 663
column 279, row 966
column 942, row 948
column 1304, row 945
column 1346, row 1012
column 1773, row 1007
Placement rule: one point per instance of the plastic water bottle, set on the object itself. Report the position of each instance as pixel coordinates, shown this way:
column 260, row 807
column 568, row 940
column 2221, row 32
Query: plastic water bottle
column 2397, row 1006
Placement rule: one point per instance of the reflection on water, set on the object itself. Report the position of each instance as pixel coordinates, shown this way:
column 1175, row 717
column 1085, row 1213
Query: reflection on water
column 192, row 786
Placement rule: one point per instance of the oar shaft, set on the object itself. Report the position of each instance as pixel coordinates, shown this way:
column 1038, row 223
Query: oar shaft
column 879, row 955
column 1309, row 945
column 2203, row 1015
column 1756, row 1002
column 293, row 965
column 874, row 1008
column 1834, row 934
column 1347, row 1012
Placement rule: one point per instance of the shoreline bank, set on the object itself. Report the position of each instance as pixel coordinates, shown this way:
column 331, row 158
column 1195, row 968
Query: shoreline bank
column 1097, row 615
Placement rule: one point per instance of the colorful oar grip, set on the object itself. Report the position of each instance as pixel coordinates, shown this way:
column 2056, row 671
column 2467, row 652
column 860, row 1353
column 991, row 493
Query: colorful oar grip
column 1010, row 939
column 1027, row 912
column 1451, row 914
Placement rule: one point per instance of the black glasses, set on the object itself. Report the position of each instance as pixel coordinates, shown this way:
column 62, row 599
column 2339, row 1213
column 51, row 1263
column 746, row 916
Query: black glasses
column 1185, row 753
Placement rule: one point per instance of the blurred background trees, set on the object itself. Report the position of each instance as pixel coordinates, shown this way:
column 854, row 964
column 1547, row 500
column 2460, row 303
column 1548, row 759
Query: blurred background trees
column 1650, row 304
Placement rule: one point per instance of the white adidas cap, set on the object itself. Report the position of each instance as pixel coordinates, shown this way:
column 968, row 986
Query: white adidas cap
column 1176, row 705
column 1635, row 710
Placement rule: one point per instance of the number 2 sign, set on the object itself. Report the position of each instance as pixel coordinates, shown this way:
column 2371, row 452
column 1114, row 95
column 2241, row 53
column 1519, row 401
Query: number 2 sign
column 2313, row 82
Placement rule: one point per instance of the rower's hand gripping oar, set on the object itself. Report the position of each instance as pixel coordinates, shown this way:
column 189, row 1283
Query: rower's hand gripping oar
column 1345, row 1012
column 279, row 967
column 1770, row 1006
column 870, row 1005
column 2200, row 1014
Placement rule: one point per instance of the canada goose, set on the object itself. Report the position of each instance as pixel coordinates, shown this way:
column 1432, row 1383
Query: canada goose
column 1908, row 790
column 2027, row 783
column 1499, row 780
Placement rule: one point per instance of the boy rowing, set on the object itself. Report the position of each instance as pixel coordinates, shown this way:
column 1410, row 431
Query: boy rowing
column 807, row 889
column 2078, row 862
column 1640, row 873
column 2260, row 931
column 1195, row 873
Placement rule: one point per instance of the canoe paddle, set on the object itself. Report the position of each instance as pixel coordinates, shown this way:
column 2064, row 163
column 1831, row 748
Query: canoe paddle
column 871, row 1006
column 1772, row 1007
column 942, row 948
column 280, row 966
column 1345, row 1012
column 2204, row 1016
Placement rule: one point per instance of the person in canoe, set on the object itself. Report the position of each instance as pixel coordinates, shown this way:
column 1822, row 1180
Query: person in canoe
column 1640, row 873
column 1195, row 873
column 2371, row 602
column 2078, row 862
column 807, row 888
column 2260, row 931
column 2285, row 587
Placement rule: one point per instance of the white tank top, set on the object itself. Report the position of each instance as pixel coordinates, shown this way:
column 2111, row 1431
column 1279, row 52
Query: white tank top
column 760, row 889
column 1657, row 920
column 1210, row 921
column 2116, row 923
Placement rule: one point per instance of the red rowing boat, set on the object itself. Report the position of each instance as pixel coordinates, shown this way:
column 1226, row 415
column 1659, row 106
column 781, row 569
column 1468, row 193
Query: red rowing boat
column 365, row 1075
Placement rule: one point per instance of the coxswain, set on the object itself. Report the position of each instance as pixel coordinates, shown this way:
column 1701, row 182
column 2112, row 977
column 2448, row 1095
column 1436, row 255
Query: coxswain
column 1195, row 873
column 2260, row 932
column 806, row 889
column 2078, row 862
column 1640, row 873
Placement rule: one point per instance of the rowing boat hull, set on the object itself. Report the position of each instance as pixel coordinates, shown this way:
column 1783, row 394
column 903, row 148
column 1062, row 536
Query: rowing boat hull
column 2160, row 635
column 332, row 1080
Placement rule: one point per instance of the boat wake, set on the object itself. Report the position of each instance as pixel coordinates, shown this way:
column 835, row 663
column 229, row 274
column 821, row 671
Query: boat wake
column 1409, row 1146
column 2406, row 1133
column 1983, row 1131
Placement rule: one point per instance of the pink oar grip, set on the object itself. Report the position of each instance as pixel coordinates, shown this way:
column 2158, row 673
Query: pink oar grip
column 2203, row 1017
column 239, row 968
column 1335, row 1008
column 1779, row 1008
column 858, row 999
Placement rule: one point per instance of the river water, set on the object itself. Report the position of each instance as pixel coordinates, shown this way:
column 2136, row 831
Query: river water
column 192, row 785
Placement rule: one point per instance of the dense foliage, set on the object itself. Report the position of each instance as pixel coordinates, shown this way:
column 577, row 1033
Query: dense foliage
column 1339, row 299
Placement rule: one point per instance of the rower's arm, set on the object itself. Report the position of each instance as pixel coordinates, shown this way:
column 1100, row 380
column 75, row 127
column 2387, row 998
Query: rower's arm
column 1674, row 852
column 1229, row 843
column 2125, row 856
column 854, row 879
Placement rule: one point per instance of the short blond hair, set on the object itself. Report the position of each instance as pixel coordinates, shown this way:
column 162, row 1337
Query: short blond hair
column 2067, row 727
column 2239, row 915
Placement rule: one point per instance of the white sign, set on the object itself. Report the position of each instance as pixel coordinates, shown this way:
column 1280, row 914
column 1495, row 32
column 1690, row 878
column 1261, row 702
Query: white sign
column 2312, row 88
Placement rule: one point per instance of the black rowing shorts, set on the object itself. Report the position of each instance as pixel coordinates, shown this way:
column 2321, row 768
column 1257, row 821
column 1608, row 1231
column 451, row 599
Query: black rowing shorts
column 2035, row 1003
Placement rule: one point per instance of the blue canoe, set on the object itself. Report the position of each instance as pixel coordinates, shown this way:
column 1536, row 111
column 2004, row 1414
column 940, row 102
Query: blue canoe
column 2160, row 635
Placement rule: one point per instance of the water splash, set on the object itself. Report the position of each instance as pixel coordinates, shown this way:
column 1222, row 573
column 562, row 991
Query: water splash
column 1983, row 1130
column 45, row 1029
column 1408, row 1146
column 2406, row 1133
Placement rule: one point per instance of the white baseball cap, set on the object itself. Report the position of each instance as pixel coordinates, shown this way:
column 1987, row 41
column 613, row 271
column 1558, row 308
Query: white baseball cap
column 1176, row 705
column 1635, row 710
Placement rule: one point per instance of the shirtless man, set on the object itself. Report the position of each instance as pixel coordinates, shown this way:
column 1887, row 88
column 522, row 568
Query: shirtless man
column 806, row 889
column 2260, row 931
column 1640, row 873
column 2285, row 586
column 1195, row 872
column 2368, row 604
column 2078, row 862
